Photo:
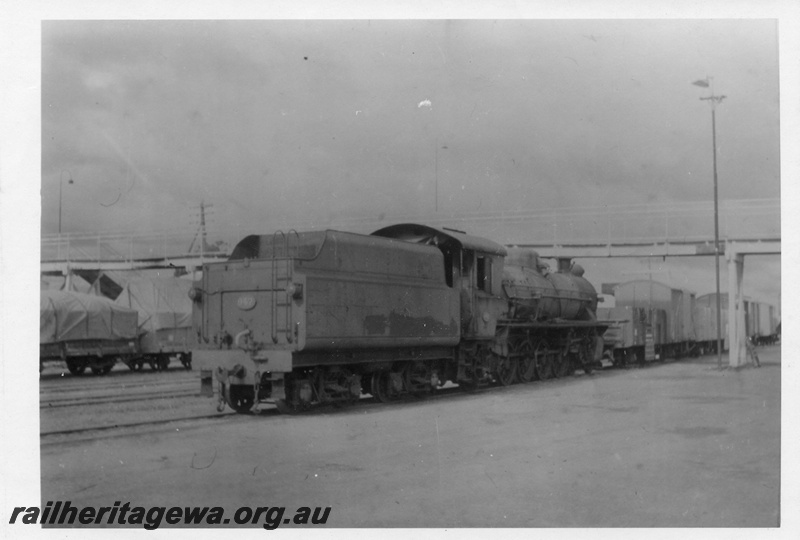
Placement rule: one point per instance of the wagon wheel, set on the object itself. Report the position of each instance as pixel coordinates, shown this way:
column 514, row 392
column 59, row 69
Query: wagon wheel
column 136, row 364
column 383, row 388
column 628, row 358
column 186, row 360
column 506, row 370
column 543, row 361
column 103, row 370
column 75, row 368
column 526, row 365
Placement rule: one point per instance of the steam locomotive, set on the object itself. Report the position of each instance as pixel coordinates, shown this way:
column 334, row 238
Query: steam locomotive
column 318, row 317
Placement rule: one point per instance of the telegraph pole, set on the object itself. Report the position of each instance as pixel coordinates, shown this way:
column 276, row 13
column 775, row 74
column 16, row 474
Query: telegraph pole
column 60, row 190
column 201, row 231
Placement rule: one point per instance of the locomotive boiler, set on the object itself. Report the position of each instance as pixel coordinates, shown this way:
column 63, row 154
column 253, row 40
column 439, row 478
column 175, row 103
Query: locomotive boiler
column 307, row 318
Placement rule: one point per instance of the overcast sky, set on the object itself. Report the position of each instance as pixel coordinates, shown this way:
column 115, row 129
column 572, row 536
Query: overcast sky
column 313, row 121
column 316, row 123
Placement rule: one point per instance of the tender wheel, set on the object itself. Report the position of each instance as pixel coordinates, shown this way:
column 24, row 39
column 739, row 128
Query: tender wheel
column 506, row 370
column 240, row 398
column 526, row 363
column 384, row 387
column 286, row 408
column 419, row 379
column 543, row 361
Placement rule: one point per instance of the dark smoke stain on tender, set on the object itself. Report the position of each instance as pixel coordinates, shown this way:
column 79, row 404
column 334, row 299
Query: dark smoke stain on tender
column 405, row 326
column 698, row 432
column 397, row 325
column 375, row 325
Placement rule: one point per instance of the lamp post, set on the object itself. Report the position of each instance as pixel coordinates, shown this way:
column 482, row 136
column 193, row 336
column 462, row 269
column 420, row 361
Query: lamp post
column 436, row 175
column 60, row 190
column 714, row 100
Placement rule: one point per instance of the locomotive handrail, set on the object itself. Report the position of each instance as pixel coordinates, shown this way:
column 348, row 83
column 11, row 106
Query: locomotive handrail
column 239, row 336
column 552, row 323
column 274, row 264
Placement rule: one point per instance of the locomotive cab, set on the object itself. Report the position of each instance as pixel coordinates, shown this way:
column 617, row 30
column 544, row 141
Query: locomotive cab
column 472, row 265
column 481, row 300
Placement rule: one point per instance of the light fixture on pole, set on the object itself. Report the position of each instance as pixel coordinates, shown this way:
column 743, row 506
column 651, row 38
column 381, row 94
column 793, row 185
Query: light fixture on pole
column 714, row 100
column 436, row 175
column 60, row 189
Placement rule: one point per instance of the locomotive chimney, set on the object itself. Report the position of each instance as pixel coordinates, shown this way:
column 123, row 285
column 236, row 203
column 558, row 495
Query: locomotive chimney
column 564, row 264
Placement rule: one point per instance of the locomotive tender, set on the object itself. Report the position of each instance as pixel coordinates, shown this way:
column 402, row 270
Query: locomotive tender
column 301, row 319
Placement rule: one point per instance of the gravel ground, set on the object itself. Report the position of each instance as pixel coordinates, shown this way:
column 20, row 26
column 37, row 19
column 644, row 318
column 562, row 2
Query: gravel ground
column 672, row 445
column 143, row 396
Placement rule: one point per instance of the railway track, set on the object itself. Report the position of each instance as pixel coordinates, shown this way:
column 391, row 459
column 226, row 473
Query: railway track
column 100, row 400
column 125, row 385
column 92, row 394
column 56, row 385
column 112, row 424
column 47, row 436
column 54, row 435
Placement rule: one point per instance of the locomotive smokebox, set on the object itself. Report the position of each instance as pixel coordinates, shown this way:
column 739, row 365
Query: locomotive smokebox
column 537, row 294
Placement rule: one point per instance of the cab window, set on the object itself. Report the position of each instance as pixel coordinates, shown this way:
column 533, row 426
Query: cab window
column 484, row 274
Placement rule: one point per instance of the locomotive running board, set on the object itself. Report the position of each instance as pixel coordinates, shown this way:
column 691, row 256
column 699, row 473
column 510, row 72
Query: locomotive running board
column 553, row 324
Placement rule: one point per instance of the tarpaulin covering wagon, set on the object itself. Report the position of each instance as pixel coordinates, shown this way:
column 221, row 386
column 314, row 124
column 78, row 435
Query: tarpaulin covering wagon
column 84, row 330
column 165, row 320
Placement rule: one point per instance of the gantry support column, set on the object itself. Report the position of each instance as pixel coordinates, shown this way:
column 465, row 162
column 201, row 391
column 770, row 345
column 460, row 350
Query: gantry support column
column 737, row 352
column 67, row 278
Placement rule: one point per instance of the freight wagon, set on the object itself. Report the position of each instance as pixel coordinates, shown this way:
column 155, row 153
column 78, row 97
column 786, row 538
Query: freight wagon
column 760, row 319
column 165, row 320
column 651, row 321
column 148, row 323
column 85, row 331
